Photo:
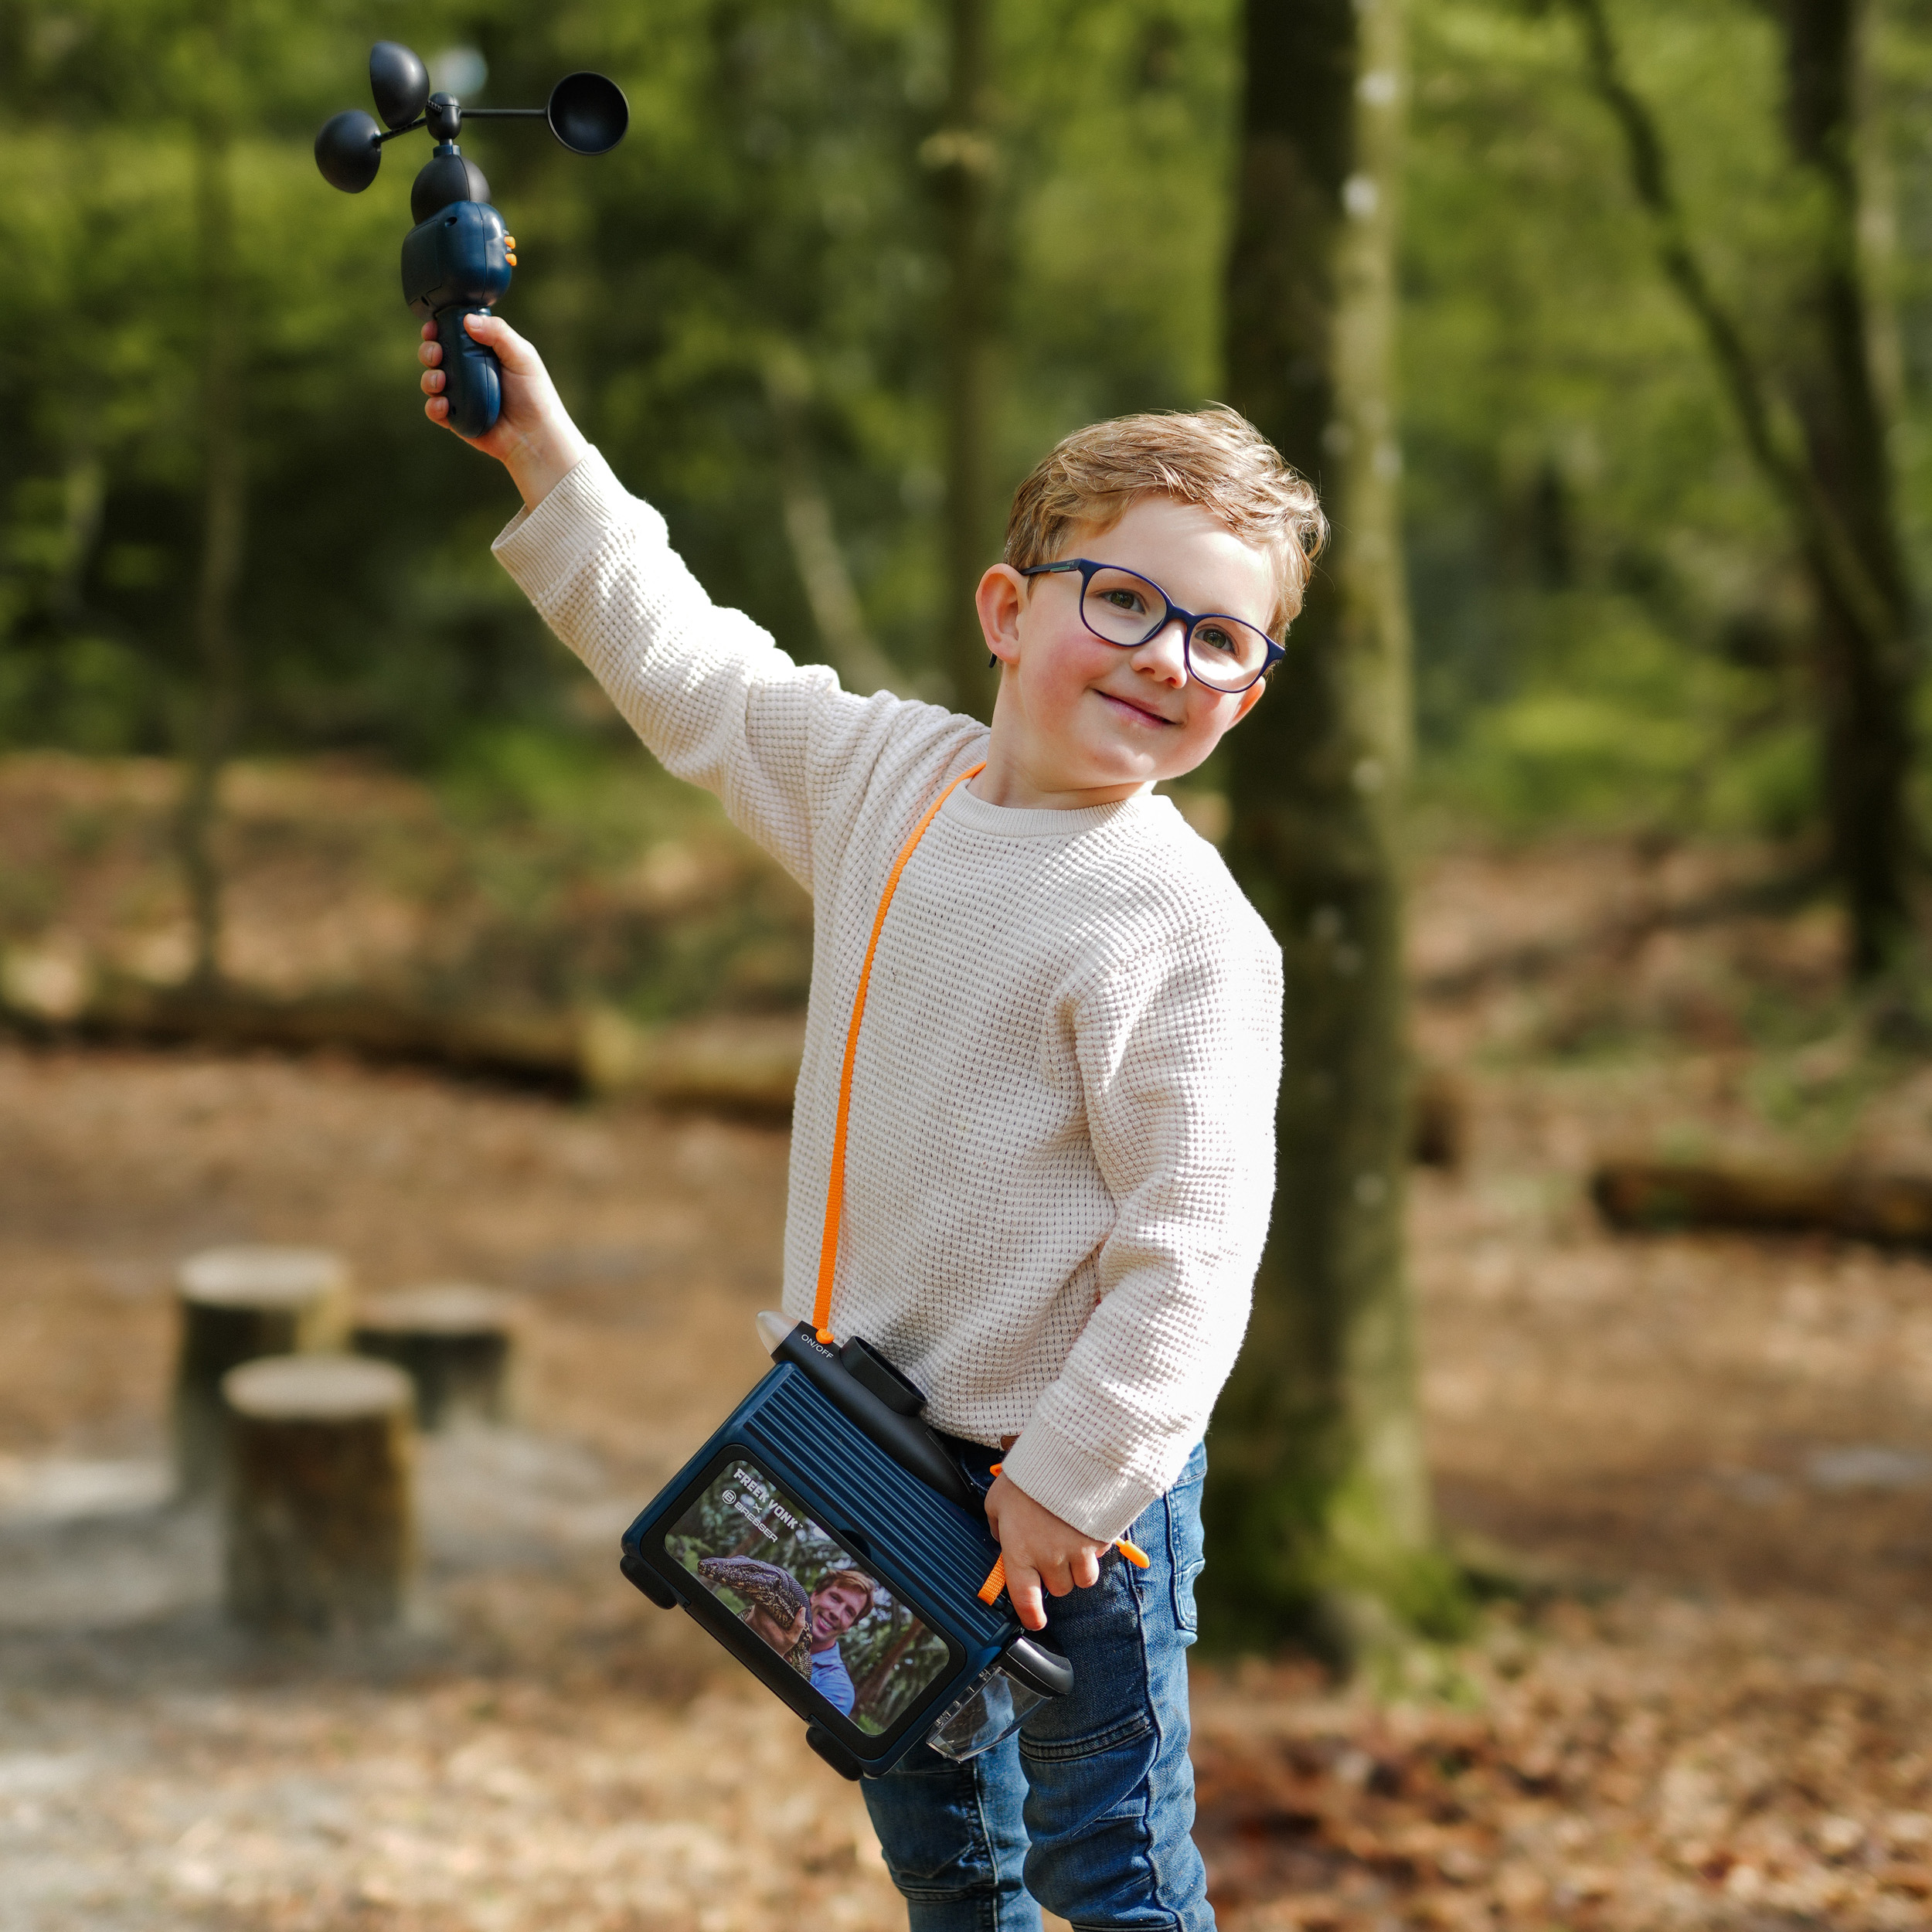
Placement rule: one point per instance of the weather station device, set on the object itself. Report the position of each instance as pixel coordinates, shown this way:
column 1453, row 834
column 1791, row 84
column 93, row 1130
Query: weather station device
column 458, row 257
column 836, row 1547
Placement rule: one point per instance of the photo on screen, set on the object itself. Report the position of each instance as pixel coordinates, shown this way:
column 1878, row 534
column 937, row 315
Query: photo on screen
column 752, row 1546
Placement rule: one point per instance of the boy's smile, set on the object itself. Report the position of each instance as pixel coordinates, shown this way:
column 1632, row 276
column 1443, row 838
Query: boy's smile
column 1079, row 721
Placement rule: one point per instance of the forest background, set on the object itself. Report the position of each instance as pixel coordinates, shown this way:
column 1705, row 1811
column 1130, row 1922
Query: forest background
column 226, row 533
column 749, row 299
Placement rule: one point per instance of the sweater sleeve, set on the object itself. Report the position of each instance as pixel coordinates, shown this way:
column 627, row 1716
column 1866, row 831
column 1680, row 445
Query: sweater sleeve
column 1180, row 1055
column 710, row 693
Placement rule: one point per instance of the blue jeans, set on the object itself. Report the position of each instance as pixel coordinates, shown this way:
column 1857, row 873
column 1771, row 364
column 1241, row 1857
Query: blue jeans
column 1088, row 1811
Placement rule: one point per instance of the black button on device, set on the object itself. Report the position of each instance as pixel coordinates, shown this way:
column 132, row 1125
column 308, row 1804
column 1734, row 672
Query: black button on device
column 895, row 1388
column 646, row 1579
column 834, row 1753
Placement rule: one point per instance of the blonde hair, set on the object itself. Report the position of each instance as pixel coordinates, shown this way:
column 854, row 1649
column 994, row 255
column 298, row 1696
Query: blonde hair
column 1214, row 457
column 857, row 1579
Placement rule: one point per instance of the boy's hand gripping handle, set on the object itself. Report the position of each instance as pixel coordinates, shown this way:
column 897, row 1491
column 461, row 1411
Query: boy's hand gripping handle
column 473, row 378
column 456, row 263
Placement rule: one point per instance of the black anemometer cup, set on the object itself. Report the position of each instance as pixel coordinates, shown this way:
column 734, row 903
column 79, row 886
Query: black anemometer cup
column 457, row 260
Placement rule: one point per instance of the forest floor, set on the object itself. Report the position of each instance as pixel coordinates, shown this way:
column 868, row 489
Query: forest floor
column 1707, row 1459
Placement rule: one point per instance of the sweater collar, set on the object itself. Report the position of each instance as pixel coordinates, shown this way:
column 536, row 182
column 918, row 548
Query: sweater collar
column 1015, row 822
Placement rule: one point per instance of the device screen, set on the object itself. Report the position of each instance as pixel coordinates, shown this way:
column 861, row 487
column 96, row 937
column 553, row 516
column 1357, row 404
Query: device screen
column 752, row 1547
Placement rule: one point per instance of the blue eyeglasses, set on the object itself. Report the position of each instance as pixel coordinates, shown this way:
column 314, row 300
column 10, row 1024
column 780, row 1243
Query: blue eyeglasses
column 1123, row 608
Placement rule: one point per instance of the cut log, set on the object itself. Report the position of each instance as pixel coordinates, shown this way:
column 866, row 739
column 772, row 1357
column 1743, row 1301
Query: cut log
column 319, row 1530
column 238, row 1304
column 452, row 1340
column 1893, row 1210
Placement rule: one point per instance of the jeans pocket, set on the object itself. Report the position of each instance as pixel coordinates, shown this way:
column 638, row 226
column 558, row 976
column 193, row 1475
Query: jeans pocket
column 1063, row 1750
column 1187, row 1555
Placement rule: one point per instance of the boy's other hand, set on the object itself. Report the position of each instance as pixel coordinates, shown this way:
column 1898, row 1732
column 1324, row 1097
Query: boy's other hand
column 1040, row 1550
column 534, row 438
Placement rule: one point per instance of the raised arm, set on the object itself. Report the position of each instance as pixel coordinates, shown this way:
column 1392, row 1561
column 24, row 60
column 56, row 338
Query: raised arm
column 709, row 692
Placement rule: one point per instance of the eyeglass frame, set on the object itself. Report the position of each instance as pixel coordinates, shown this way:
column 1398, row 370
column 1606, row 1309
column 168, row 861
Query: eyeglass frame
column 1189, row 619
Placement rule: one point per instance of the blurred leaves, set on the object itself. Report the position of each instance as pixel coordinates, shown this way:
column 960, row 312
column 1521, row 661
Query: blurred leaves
column 1605, row 603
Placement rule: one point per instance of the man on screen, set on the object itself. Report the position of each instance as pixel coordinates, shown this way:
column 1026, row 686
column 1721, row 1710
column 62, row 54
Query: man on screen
column 803, row 1628
column 837, row 1604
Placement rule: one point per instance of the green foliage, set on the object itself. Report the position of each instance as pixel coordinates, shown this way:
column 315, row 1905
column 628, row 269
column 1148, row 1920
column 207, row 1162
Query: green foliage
column 606, row 880
column 771, row 194
column 1608, row 625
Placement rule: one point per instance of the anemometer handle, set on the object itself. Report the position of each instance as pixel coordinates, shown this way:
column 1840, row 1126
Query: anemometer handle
column 473, row 385
column 457, row 260
column 456, row 263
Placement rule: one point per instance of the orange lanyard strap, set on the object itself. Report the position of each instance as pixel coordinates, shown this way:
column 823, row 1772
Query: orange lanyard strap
column 835, row 1187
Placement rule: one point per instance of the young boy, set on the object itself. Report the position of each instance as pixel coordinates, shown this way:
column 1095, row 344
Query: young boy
column 1061, row 1145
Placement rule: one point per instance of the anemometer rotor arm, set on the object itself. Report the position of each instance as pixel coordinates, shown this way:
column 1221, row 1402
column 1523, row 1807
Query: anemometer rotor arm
column 457, row 260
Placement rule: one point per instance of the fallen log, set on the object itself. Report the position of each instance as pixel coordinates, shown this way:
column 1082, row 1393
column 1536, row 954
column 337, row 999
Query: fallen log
column 1891, row 1210
column 535, row 1047
column 744, row 1065
column 1782, row 891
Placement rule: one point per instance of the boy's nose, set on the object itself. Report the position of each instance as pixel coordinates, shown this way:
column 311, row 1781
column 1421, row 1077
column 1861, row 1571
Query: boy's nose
column 1164, row 654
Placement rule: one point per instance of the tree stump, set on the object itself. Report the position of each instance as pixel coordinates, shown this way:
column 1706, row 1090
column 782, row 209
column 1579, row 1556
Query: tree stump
column 318, row 1492
column 238, row 1304
column 454, row 1341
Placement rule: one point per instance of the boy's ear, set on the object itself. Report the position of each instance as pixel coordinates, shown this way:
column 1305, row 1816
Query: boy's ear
column 1250, row 698
column 1000, row 597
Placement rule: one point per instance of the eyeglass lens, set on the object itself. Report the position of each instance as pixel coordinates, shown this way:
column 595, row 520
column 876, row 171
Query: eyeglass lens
column 1224, row 653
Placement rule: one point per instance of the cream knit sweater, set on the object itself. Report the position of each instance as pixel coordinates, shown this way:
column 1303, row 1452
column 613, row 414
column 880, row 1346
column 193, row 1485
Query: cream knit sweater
column 1061, row 1152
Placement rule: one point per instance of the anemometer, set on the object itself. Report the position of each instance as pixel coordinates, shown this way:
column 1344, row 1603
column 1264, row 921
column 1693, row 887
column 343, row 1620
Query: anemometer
column 457, row 260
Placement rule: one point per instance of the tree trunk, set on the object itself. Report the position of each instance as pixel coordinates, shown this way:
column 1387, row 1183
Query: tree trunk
column 1865, row 671
column 960, row 155
column 216, row 703
column 1837, row 489
column 815, row 552
column 1317, row 1494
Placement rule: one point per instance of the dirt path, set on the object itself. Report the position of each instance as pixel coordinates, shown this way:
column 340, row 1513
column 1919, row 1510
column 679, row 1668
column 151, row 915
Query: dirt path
column 1719, row 1451
column 540, row 1748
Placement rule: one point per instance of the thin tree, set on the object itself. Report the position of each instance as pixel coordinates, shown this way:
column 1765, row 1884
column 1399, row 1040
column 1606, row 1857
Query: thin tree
column 216, row 701
column 961, row 156
column 878, row 1680
column 1317, row 1496
column 816, row 553
column 1830, row 468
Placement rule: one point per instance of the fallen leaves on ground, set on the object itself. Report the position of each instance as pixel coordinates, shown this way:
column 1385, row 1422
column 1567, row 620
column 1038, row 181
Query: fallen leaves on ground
column 1656, row 1761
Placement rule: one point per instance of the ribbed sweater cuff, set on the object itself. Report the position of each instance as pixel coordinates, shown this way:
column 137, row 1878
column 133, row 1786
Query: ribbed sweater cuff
column 539, row 546
column 1093, row 1495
